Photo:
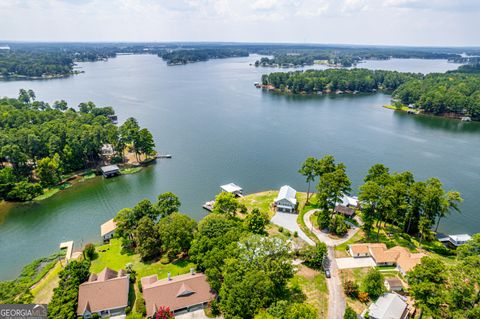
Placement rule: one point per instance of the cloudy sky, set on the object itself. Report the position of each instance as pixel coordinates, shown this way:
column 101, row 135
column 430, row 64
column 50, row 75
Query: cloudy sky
column 391, row 22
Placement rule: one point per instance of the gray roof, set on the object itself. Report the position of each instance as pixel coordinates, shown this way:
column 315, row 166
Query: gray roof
column 388, row 306
column 109, row 168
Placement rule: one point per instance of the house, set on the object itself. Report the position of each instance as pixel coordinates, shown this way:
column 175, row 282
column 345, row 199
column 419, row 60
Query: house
column 286, row 200
column 181, row 294
column 350, row 201
column 393, row 284
column 110, row 170
column 105, row 294
column 397, row 256
column 344, row 210
column 232, row 188
column 107, row 150
column 455, row 240
column 388, row 306
column 107, row 230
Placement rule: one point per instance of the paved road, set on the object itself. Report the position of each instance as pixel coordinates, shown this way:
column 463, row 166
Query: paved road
column 336, row 299
column 289, row 221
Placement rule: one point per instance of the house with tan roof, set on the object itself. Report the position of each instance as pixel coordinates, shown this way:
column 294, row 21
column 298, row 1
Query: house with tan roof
column 181, row 294
column 107, row 229
column 105, row 294
column 397, row 256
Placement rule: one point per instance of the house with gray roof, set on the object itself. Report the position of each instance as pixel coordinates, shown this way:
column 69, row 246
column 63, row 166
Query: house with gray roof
column 286, row 201
column 388, row 306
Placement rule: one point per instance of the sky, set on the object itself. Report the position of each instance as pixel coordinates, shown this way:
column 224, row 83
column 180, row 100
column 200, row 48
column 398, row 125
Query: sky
column 375, row 22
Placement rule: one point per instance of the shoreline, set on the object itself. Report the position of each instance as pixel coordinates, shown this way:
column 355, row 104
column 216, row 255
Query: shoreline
column 406, row 109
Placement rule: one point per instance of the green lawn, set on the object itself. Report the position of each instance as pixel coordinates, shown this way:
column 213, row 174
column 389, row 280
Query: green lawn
column 397, row 108
column 49, row 192
column 43, row 290
column 262, row 201
column 110, row 255
column 314, row 287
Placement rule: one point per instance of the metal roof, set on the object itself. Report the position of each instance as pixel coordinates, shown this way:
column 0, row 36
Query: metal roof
column 288, row 193
column 231, row 188
column 388, row 306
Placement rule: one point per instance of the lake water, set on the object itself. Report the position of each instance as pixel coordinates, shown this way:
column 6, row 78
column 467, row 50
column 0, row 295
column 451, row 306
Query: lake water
column 221, row 129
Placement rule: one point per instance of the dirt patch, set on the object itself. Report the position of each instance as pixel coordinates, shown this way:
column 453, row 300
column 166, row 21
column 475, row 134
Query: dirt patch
column 306, row 272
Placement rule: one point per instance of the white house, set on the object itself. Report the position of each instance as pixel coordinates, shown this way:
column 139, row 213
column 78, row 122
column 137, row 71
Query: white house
column 107, row 229
column 286, row 200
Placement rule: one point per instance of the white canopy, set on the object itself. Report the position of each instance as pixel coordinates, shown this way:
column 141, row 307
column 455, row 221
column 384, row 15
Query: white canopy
column 231, row 188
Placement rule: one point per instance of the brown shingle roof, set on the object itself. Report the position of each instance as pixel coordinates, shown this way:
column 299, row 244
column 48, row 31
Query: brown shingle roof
column 365, row 248
column 177, row 293
column 394, row 282
column 107, row 290
column 347, row 211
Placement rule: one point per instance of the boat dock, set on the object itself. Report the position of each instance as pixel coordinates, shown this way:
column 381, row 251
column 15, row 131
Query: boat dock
column 209, row 205
column 69, row 246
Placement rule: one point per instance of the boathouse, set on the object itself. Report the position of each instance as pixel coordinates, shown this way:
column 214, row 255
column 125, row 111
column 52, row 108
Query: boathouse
column 107, row 230
column 110, row 170
column 233, row 189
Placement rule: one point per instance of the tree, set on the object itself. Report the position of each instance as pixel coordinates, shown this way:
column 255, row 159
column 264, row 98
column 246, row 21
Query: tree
column 256, row 221
column 373, row 283
column 314, row 256
column 25, row 191
column 338, row 225
column 147, row 239
column 144, row 143
column 146, row 208
column 176, row 232
column 324, row 219
column 60, row 105
column 470, row 248
column 332, row 187
column 89, row 251
column 427, row 282
column 350, row 288
column 168, row 203
column 48, row 170
column 350, row 313
column 309, row 171
column 226, row 203
column 302, row 311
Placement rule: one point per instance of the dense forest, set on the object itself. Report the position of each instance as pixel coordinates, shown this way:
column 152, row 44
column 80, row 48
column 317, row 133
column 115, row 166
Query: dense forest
column 443, row 94
column 174, row 57
column 39, row 142
column 334, row 80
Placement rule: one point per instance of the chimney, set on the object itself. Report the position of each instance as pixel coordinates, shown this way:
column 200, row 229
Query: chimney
column 169, row 276
column 192, row 271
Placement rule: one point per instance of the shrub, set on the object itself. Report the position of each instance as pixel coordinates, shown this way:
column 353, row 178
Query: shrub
column 280, row 229
column 295, row 234
column 89, row 251
column 350, row 288
column 140, row 305
column 363, row 297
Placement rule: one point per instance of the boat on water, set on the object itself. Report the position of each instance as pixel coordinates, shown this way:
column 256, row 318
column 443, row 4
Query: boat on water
column 164, row 156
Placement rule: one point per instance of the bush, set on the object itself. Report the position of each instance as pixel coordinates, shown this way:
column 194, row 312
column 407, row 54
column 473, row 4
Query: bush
column 295, row 234
column 140, row 305
column 139, row 285
column 373, row 283
column 89, row 251
column 350, row 313
column 350, row 288
column 280, row 229
column 363, row 297
column 314, row 255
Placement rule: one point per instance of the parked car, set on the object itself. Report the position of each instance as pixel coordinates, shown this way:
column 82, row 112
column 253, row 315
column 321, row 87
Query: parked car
column 327, row 273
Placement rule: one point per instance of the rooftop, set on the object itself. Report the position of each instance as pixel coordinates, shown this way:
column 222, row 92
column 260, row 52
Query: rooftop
column 388, row 306
column 109, row 168
column 231, row 188
column 107, row 290
column 288, row 193
column 108, row 227
column 177, row 292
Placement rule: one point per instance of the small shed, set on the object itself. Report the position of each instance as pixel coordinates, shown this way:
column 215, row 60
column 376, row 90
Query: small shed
column 232, row 188
column 393, row 284
column 286, row 200
column 107, row 230
column 110, row 170
column 345, row 211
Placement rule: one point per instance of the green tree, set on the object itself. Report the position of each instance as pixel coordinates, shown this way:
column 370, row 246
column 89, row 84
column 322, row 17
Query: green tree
column 48, row 170
column 168, row 203
column 373, row 283
column 25, row 191
column 256, row 221
column 302, row 311
column 89, row 251
column 470, row 248
column 176, row 233
column 226, row 203
column 350, row 313
column 144, row 143
column 314, row 256
column 332, row 187
column 309, row 171
column 147, row 239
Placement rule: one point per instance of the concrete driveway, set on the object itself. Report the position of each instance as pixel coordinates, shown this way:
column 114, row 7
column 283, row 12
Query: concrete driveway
column 197, row 314
column 289, row 221
column 349, row 262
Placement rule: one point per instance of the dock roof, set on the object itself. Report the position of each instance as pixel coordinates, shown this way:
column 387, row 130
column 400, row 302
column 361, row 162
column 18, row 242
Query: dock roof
column 231, row 188
column 109, row 168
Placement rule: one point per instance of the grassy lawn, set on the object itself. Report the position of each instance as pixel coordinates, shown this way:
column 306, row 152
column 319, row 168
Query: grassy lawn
column 43, row 290
column 357, row 275
column 397, row 108
column 110, row 255
column 130, row 170
column 49, row 192
column 302, row 211
column 314, row 287
column 262, row 201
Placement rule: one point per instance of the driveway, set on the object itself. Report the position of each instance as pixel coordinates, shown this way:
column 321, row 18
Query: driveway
column 289, row 221
column 350, row 262
column 197, row 314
